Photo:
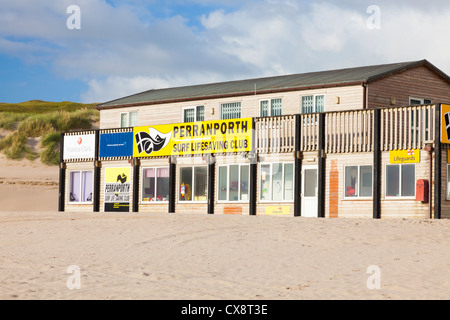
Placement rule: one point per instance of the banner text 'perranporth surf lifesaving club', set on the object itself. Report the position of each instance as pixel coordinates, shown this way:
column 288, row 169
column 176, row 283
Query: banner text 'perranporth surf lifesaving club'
column 205, row 137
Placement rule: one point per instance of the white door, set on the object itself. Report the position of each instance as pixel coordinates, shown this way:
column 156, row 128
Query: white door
column 309, row 191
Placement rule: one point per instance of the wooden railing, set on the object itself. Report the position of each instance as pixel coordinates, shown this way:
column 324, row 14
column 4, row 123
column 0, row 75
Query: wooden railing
column 275, row 134
column 407, row 127
column 309, row 137
column 348, row 131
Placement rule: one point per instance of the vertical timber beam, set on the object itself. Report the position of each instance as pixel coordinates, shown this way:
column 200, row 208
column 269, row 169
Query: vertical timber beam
column 211, row 175
column 62, row 176
column 136, row 178
column 376, row 164
column 437, row 163
column 253, row 157
column 298, row 169
column 321, row 173
column 172, row 188
column 97, row 168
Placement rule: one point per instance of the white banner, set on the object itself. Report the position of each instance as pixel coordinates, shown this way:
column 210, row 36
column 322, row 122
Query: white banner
column 79, row 147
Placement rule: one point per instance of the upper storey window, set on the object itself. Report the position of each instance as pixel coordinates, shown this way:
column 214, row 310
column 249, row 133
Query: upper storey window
column 270, row 108
column 128, row 119
column 193, row 114
column 230, row 110
column 313, row 103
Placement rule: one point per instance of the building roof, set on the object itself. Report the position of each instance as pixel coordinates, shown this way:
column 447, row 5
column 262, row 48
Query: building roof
column 303, row 81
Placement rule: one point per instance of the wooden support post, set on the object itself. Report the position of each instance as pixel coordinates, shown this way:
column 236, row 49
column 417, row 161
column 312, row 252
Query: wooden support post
column 321, row 173
column 97, row 168
column 211, row 174
column 298, row 169
column 136, row 177
column 252, row 183
column 253, row 157
column 376, row 164
column 437, row 163
column 62, row 175
column 172, row 188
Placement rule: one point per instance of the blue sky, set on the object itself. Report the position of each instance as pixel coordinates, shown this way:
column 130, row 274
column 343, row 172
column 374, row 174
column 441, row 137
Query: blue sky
column 125, row 47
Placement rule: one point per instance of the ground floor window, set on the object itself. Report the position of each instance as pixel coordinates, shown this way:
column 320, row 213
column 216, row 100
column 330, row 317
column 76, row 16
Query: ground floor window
column 277, row 182
column 233, row 182
column 358, row 181
column 400, row 180
column 155, row 184
column 81, row 183
column 193, row 183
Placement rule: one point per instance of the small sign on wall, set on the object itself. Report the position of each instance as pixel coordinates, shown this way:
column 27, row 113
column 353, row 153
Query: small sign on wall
column 404, row 156
column 278, row 210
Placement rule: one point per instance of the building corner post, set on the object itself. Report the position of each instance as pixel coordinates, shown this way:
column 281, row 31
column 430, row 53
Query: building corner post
column 62, row 175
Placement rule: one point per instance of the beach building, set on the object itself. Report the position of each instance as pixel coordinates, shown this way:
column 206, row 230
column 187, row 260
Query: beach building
column 356, row 142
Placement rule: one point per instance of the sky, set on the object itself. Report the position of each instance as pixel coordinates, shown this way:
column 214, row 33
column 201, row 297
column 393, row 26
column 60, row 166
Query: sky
column 93, row 51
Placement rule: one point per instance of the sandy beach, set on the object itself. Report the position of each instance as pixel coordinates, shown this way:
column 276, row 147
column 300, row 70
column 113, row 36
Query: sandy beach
column 190, row 256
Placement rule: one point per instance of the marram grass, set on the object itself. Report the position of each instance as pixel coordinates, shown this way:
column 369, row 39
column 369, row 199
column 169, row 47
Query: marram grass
column 47, row 125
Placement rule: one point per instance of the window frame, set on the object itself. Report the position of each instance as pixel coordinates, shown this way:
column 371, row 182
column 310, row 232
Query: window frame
column 141, row 198
column 183, row 120
column 228, row 103
column 314, row 102
column 358, row 197
column 283, row 163
column 178, row 191
column 400, row 197
column 269, row 107
column 81, row 186
column 421, row 100
column 228, row 183
column 128, row 119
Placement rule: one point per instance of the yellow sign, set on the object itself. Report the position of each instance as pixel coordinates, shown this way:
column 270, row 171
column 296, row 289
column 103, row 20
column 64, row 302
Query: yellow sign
column 445, row 123
column 117, row 189
column 404, row 156
column 193, row 138
column 448, row 156
column 284, row 210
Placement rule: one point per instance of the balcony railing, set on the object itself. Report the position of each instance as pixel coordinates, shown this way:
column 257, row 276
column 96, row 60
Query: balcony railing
column 348, row 131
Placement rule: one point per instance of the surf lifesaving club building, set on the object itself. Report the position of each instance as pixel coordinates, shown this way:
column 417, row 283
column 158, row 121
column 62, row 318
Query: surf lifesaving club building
column 359, row 142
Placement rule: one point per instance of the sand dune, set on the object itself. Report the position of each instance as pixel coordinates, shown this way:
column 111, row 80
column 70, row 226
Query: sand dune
column 175, row 256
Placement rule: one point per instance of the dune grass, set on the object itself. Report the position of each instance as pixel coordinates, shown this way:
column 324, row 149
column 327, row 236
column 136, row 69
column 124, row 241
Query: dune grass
column 47, row 120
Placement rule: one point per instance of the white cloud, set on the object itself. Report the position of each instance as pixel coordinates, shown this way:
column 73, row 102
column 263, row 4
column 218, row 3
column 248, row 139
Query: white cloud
column 124, row 49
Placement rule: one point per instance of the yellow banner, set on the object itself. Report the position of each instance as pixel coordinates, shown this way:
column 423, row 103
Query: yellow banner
column 445, row 123
column 404, row 156
column 204, row 137
column 284, row 210
column 117, row 189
